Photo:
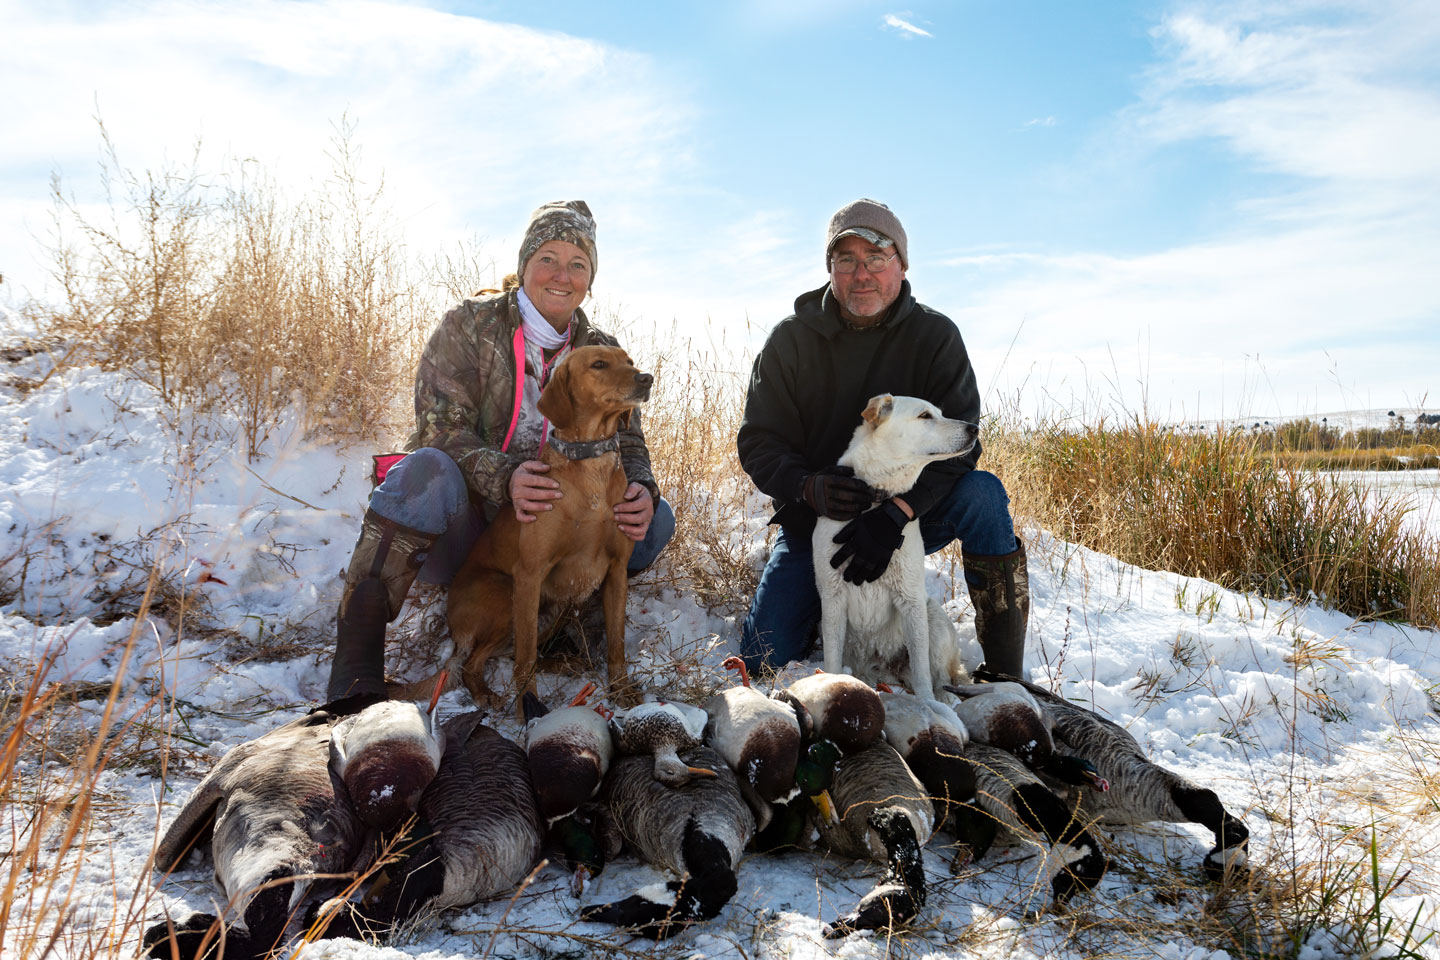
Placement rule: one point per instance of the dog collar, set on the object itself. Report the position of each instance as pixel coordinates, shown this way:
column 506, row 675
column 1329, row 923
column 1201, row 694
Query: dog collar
column 584, row 449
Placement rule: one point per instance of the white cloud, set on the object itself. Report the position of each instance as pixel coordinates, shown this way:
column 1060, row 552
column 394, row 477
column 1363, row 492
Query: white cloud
column 472, row 122
column 1320, row 294
column 905, row 27
column 1041, row 122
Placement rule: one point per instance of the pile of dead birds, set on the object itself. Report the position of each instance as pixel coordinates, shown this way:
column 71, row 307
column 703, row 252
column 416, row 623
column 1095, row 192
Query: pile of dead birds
column 413, row 815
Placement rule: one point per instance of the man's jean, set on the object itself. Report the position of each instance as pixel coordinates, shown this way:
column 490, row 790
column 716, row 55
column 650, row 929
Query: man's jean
column 426, row 492
column 786, row 608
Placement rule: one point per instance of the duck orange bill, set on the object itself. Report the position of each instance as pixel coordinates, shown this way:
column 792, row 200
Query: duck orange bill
column 439, row 689
column 584, row 694
column 702, row 772
column 884, row 687
column 825, row 805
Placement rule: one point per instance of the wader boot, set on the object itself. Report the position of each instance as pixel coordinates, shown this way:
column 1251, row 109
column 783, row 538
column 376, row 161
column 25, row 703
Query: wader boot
column 386, row 559
column 1000, row 589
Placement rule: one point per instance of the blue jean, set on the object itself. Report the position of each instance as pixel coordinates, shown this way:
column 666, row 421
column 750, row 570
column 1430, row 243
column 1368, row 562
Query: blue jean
column 786, row 610
column 426, row 492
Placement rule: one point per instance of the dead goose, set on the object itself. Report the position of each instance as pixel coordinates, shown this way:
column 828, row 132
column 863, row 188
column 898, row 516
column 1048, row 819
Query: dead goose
column 662, row 729
column 1015, row 797
column 695, row 830
column 881, row 812
column 275, row 813
column 1003, row 714
column 1141, row 791
column 842, row 709
column 759, row 738
column 478, row 834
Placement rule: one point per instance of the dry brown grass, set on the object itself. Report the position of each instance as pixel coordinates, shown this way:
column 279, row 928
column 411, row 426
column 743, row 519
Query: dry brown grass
column 223, row 295
column 1214, row 505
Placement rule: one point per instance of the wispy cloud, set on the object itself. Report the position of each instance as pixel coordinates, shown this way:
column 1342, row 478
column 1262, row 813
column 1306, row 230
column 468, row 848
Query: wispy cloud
column 1041, row 122
column 1320, row 293
column 904, row 27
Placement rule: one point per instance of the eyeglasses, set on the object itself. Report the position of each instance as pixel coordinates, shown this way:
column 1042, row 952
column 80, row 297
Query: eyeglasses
column 873, row 263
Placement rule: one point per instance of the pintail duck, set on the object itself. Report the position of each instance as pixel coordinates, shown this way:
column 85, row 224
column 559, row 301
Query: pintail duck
column 478, row 834
column 842, row 709
column 1004, row 714
column 695, row 830
column 881, row 812
column 759, row 737
column 275, row 813
column 663, row 729
column 1015, row 797
column 1141, row 791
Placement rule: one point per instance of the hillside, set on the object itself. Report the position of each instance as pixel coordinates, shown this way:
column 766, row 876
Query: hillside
column 1320, row 732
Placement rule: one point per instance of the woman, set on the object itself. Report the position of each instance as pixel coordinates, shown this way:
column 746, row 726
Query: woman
column 477, row 438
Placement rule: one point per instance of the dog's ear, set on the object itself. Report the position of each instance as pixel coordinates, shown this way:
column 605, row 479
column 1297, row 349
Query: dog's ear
column 878, row 409
column 557, row 400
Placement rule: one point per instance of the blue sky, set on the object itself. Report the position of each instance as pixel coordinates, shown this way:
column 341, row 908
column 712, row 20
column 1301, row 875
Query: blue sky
column 1201, row 208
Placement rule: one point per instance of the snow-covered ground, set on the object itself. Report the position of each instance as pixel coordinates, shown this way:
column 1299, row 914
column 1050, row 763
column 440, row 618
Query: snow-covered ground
column 1311, row 727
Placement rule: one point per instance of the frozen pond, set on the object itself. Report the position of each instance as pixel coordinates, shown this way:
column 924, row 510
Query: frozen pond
column 1421, row 487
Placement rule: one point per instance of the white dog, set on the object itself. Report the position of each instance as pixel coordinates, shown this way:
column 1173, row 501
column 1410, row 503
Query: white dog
column 889, row 628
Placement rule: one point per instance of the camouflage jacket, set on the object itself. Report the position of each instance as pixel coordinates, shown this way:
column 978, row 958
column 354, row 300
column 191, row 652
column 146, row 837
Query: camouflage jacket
column 465, row 398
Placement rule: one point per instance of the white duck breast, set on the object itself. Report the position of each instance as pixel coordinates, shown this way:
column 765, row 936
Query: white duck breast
column 386, row 754
column 843, row 709
column 696, row 831
column 931, row 739
column 759, row 738
column 569, row 751
column 279, row 812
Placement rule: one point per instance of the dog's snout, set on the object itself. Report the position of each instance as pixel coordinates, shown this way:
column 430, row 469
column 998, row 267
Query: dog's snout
column 971, row 430
column 644, row 379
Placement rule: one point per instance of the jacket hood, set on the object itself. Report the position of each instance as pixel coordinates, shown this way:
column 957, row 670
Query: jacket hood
column 820, row 310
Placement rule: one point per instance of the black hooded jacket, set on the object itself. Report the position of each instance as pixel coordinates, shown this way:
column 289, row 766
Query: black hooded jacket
column 814, row 377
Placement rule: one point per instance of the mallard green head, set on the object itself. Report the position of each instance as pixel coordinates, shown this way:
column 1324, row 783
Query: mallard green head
column 815, row 770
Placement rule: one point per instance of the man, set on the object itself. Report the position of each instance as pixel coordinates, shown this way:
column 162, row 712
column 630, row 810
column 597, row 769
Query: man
column 863, row 334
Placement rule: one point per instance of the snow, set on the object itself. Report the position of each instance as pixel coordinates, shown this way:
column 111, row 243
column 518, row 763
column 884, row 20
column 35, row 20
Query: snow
column 1307, row 724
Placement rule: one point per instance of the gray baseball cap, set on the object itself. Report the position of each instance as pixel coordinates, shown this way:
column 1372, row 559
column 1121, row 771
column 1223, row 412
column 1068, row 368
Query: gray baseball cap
column 871, row 221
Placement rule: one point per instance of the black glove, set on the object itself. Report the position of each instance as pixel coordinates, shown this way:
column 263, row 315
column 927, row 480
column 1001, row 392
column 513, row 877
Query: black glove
column 835, row 493
column 869, row 540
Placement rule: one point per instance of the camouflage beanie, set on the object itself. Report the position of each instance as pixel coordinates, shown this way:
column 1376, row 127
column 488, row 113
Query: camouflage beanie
column 567, row 220
column 871, row 221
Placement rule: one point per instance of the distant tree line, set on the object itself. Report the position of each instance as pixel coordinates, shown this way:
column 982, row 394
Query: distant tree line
column 1306, row 434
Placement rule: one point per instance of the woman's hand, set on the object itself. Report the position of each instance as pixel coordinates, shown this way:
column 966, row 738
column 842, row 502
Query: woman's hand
column 634, row 512
column 531, row 491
